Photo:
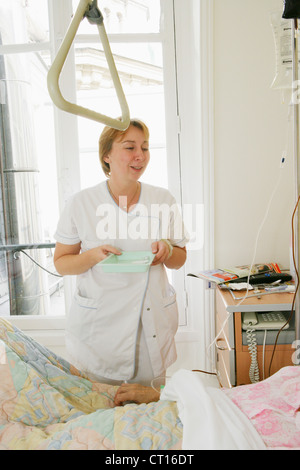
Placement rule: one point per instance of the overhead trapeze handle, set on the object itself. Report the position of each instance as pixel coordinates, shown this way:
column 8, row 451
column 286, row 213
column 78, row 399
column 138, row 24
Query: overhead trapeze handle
column 88, row 9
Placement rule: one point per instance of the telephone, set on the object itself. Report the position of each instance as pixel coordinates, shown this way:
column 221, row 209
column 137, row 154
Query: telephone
column 251, row 322
column 264, row 321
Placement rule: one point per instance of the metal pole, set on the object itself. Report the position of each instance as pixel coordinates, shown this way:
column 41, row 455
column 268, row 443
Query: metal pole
column 296, row 163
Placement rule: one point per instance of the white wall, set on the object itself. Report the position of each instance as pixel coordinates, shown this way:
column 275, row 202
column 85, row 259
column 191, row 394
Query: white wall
column 250, row 134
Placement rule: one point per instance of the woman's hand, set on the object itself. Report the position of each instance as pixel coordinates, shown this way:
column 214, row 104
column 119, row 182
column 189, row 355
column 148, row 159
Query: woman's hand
column 101, row 252
column 162, row 255
column 69, row 261
column 161, row 251
column 135, row 393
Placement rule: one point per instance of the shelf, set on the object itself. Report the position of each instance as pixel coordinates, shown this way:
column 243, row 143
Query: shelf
column 233, row 358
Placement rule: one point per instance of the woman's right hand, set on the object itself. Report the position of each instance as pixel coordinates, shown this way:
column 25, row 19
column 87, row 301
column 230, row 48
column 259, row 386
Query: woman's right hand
column 102, row 251
column 69, row 261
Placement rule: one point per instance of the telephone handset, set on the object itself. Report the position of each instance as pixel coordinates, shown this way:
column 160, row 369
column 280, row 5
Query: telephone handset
column 264, row 321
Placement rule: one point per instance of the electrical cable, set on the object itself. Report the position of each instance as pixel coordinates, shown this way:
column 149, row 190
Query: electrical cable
column 282, row 161
column 205, row 372
column 35, row 262
column 264, row 350
column 216, row 374
column 296, row 289
column 166, row 377
column 283, row 158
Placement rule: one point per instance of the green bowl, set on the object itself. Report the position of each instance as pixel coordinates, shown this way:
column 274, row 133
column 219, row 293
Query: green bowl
column 128, row 262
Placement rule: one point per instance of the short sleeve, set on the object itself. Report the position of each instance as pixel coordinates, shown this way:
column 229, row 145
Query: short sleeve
column 66, row 231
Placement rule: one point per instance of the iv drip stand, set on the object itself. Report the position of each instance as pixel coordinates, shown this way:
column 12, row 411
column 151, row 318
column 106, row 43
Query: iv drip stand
column 295, row 102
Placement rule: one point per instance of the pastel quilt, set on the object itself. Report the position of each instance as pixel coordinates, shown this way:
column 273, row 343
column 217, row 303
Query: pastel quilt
column 47, row 404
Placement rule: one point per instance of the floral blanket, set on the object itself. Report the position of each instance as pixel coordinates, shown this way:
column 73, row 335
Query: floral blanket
column 46, row 403
column 273, row 407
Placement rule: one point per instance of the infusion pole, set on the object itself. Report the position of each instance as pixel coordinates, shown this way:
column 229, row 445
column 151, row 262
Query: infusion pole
column 295, row 102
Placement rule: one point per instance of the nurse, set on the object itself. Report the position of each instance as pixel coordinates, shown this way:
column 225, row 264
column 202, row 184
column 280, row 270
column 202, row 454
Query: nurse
column 121, row 326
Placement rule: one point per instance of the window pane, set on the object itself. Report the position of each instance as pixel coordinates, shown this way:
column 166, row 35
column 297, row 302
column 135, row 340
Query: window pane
column 23, row 22
column 141, row 74
column 28, row 184
column 125, row 16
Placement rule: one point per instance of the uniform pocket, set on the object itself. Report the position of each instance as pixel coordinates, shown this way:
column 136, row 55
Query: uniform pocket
column 170, row 298
column 85, row 302
column 170, row 310
column 81, row 319
column 169, row 301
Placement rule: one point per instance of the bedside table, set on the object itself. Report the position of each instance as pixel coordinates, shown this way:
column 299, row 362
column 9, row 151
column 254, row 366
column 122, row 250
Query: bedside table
column 233, row 358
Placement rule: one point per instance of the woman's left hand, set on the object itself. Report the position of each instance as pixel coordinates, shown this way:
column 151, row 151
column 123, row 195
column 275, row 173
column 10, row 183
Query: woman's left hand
column 161, row 251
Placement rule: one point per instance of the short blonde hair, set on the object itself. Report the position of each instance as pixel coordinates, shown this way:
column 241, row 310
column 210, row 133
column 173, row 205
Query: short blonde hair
column 108, row 137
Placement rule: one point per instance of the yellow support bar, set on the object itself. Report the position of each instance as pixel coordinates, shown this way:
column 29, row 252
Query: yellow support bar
column 58, row 63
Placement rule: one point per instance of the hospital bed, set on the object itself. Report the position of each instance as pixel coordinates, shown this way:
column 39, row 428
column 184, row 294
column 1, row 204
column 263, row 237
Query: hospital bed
column 46, row 403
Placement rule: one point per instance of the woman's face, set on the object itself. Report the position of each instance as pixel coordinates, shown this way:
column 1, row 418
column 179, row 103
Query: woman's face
column 129, row 155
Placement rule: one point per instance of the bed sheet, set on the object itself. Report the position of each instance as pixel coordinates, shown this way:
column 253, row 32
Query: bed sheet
column 260, row 416
column 47, row 404
column 211, row 421
column 273, row 407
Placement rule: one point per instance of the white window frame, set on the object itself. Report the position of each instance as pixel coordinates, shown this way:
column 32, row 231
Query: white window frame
column 190, row 116
column 49, row 329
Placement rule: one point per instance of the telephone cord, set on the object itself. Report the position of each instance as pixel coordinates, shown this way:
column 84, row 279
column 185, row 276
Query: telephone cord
column 252, row 347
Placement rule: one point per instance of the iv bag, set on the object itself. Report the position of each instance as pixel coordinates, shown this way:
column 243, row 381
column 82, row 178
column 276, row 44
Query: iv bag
column 282, row 30
column 291, row 9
